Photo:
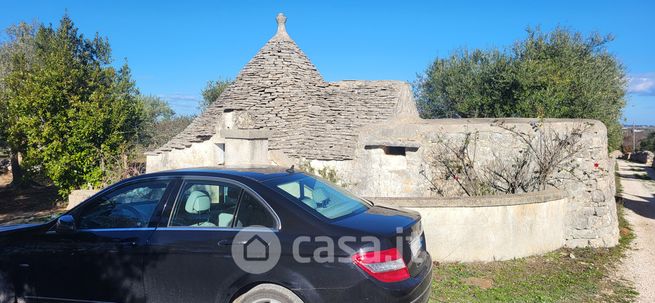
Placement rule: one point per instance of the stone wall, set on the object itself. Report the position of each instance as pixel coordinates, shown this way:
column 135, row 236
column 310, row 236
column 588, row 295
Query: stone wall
column 78, row 196
column 490, row 228
column 392, row 161
column 208, row 153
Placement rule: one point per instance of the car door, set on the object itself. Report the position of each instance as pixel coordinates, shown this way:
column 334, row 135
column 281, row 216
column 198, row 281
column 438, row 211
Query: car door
column 189, row 257
column 102, row 259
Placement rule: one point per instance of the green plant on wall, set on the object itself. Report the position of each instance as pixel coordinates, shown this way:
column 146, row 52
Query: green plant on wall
column 327, row 172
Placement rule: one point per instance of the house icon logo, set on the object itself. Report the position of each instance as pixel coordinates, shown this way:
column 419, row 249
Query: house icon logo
column 258, row 250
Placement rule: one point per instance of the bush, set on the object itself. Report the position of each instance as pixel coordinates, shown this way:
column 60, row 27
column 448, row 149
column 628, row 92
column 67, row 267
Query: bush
column 560, row 74
column 66, row 106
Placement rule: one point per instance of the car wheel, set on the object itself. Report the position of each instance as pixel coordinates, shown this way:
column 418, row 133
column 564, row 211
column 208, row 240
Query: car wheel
column 268, row 293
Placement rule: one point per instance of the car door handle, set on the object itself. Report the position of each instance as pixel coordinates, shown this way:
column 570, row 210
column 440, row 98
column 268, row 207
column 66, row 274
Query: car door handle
column 230, row 242
column 124, row 243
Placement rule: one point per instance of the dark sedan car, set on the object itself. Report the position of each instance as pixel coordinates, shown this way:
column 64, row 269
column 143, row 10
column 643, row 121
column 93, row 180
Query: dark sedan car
column 219, row 235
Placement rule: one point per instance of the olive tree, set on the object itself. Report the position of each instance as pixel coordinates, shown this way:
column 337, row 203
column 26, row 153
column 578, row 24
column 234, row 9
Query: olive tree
column 559, row 74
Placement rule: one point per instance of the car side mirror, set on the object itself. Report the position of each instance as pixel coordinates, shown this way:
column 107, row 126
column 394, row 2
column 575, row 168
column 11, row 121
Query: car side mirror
column 65, row 224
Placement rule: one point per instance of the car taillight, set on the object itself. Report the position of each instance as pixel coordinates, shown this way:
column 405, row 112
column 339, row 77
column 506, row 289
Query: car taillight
column 386, row 266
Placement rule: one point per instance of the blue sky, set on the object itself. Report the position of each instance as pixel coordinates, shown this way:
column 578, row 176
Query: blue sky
column 174, row 48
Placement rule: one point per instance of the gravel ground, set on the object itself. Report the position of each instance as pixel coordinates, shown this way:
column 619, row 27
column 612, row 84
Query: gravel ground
column 639, row 200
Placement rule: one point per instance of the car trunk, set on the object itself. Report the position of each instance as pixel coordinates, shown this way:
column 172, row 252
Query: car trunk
column 401, row 227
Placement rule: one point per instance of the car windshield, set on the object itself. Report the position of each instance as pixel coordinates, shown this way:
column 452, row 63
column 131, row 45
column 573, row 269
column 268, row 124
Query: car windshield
column 323, row 198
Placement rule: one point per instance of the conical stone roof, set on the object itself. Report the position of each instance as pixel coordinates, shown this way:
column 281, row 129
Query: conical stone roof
column 283, row 92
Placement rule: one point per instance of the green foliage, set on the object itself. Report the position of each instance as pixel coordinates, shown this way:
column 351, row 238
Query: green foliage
column 160, row 123
column 560, row 74
column 154, row 109
column 20, row 42
column 648, row 143
column 327, row 172
column 68, row 110
column 75, row 119
column 212, row 91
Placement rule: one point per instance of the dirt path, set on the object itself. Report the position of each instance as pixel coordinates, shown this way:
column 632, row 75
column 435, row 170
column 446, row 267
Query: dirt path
column 639, row 200
column 28, row 205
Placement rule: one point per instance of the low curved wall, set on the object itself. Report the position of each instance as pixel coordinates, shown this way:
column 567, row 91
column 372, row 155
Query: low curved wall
column 490, row 228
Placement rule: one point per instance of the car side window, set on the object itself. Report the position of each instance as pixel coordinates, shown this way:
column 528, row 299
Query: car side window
column 253, row 213
column 131, row 206
column 206, row 204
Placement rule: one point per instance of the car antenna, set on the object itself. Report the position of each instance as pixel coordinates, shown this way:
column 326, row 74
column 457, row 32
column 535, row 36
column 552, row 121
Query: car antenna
column 290, row 169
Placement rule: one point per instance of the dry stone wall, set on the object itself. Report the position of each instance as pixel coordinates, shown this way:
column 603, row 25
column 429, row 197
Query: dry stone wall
column 591, row 218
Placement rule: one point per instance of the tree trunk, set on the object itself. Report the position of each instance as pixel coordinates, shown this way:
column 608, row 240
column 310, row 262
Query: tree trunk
column 16, row 170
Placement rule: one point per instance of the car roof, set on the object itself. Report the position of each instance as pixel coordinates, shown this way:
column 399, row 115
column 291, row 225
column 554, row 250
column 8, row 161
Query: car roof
column 256, row 173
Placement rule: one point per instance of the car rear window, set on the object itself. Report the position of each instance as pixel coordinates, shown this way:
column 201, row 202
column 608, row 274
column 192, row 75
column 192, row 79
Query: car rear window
column 320, row 196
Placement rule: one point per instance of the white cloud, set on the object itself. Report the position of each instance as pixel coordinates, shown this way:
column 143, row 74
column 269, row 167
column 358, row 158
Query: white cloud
column 180, row 97
column 642, row 84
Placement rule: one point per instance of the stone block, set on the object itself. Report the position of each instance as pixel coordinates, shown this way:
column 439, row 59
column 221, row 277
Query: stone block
column 574, row 243
column 601, row 211
column 240, row 152
column 597, row 196
column 597, row 222
column 584, row 234
column 587, row 211
column 78, row 196
column 579, row 221
column 597, row 243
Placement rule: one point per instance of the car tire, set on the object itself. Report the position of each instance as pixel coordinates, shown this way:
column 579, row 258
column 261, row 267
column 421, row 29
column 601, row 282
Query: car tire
column 268, row 293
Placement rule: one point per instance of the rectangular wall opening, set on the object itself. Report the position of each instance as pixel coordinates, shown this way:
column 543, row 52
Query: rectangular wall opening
column 394, row 150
